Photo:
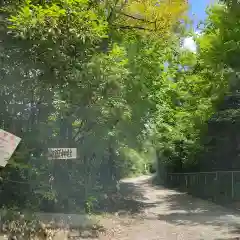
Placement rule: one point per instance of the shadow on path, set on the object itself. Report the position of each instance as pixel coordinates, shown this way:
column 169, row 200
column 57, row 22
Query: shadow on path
column 129, row 199
column 183, row 209
column 155, row 203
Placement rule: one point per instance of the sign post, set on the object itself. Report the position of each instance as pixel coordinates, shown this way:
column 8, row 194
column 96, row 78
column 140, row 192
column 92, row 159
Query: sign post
column 8, row 144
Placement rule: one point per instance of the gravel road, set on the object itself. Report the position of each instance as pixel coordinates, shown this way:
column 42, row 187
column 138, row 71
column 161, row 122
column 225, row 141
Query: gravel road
column 155, row 213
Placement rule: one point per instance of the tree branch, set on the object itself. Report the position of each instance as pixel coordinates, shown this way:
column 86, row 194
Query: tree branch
column 135, row 18
column 78, row 131
column 133, row 27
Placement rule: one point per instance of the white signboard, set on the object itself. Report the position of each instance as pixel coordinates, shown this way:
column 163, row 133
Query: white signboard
column 8, row 144
column 62, row 153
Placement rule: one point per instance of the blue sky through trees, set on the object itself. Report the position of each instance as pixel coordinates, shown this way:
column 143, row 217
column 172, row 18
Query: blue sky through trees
column 197, row 13
column 197, row 9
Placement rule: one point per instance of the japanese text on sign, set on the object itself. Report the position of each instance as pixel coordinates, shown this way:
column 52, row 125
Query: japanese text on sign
column 62, row 153
column 8, row 144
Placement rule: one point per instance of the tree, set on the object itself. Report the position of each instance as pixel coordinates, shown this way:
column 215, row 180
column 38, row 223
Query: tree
column 218, row 51
column 103, row 79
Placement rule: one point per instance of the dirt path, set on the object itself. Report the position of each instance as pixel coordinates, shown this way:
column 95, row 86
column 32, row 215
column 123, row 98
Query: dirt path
column 155, row 213
column 143, row 211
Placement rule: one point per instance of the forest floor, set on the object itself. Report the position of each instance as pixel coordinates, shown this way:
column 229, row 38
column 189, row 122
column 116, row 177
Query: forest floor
column 148, row 212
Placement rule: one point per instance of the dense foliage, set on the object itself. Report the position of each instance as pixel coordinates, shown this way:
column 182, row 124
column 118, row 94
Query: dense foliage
column 112, row 79
column 219, row 48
